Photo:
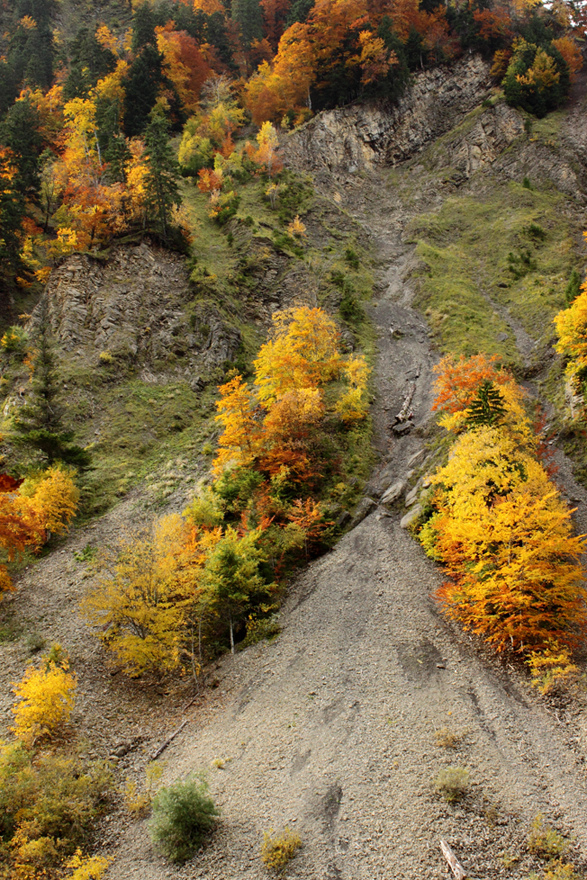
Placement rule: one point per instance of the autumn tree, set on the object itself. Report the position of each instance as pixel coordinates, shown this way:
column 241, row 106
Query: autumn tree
column 505, row 538
column 49, row 499
column 537, row 78
column 302, row 353
column 242, row 436
column 184, row 64
column 284, row 85
column 277, row 425
column 266, row 157
column 571, row 328
column 142, row 601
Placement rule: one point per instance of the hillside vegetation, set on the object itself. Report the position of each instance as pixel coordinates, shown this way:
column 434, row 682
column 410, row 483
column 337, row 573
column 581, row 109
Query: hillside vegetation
column 201, row 348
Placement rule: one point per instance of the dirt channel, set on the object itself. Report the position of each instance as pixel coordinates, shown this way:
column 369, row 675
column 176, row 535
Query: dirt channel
column 333, row 730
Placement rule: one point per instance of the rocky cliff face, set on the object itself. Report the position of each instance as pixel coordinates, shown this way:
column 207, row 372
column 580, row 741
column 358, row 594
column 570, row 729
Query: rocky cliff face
column 138, row 304
column 351, row 139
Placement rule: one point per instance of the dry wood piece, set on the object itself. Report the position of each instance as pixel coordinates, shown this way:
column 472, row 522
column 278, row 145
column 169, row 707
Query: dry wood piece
column 455, row 866
column 404, row 412
column 169, row 739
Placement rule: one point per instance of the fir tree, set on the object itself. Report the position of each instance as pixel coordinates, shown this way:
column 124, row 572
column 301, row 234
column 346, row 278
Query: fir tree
column 141, row 90
column 162, row 194
column 38, row 426
column 248, row 15
column 487, row 407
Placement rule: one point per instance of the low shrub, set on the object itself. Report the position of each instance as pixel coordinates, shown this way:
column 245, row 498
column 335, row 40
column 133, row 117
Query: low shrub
column 183, row 815
column 449, row 739
column 452, row 784
column 545, row 841
column 48, row 807
column 280, row 849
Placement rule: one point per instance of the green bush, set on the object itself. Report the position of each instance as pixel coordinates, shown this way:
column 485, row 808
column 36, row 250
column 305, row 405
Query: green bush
column 15, row 340
column 183, row 815
column 352, row 258
column 573, row 287
column 452, row 783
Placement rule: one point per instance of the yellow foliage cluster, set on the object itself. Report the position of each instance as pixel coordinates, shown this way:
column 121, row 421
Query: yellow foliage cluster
column 292, row 372
column 505, row 537
column 46, row 699
column 571, row 328
column 140, row 602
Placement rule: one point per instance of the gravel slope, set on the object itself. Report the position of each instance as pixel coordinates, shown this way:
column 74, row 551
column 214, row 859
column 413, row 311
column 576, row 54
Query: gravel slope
column 333, row 729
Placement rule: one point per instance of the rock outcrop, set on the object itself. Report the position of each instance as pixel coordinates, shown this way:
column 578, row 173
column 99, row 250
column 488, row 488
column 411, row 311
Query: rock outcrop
column 137, row 304
column 351, row 139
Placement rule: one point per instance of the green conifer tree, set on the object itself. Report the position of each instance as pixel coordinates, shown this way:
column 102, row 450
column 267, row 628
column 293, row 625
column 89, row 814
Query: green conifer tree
column 487, row 407
column 248, row 15
column 162, row 193
column 38, row 427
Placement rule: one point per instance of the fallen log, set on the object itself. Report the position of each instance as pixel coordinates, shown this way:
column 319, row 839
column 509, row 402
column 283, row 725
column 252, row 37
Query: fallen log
column 169, row 740
column 405, row 412
column 454, row 864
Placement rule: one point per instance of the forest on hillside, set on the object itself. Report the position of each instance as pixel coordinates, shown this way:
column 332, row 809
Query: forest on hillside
column 90, row 95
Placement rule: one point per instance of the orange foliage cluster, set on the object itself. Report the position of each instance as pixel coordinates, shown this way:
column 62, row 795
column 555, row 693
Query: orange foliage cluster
column 499, row 525
column 30, row 510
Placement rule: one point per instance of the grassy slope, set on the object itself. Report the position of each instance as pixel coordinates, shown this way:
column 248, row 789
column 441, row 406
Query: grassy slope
column 161, row 434
column 502, row 247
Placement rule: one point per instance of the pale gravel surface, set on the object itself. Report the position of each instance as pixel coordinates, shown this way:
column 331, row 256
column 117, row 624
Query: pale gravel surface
column 331, row 728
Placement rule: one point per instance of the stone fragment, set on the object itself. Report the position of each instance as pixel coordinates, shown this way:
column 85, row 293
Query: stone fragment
column 366, row 506
column 394, row 492
column 411, row 516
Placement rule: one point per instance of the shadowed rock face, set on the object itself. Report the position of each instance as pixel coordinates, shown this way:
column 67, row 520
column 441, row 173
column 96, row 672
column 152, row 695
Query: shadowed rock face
column 351, row 139
column 134, row 305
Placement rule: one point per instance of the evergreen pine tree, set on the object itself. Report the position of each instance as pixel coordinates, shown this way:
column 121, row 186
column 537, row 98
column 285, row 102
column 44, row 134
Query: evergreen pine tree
column 19, row 132
column 141, row 89
column 162, row 193
column 38, row 426
column 248, row 15
column 487, row 407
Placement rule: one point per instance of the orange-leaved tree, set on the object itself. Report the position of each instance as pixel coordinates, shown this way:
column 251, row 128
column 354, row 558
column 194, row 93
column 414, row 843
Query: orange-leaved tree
column 506, row 540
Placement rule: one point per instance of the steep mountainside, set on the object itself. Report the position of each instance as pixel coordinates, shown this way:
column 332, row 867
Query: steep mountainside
column 338, row 728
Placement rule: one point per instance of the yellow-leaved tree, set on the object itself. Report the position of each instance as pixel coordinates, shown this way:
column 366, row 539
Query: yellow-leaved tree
column 498, row 524
column 46, row 698
column 571, row 328
column 141, row 603
column 276, row 423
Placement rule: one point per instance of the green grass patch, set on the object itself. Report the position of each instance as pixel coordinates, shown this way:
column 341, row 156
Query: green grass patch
column 511, row 246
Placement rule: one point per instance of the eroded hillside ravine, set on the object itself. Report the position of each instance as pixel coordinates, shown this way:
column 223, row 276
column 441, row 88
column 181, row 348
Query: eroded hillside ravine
column 332, row 730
